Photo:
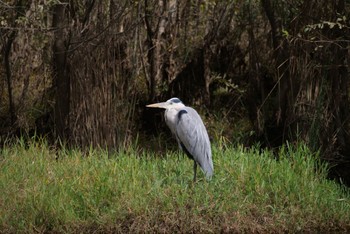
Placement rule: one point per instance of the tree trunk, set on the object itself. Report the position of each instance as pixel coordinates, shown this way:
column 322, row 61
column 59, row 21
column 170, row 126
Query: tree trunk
column 60, row 74
column 21, row 7
column 278, row 131
column 7, row 50
column 155, row 42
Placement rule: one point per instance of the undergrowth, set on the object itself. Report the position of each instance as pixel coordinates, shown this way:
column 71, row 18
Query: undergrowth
column 44, row 190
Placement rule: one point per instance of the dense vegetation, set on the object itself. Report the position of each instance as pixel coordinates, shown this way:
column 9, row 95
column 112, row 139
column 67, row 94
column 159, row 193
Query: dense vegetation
column 43, row 190
column 84, row 70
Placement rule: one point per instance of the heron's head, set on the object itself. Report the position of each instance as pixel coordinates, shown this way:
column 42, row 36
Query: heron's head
column 172, row 103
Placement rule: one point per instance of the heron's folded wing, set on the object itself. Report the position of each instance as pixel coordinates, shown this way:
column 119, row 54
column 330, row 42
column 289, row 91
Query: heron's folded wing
column 191, row 132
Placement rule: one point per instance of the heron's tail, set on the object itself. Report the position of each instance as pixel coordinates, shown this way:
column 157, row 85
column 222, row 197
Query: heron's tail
column 208, row 170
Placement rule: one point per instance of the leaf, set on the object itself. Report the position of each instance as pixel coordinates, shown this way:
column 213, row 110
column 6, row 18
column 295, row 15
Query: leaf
column 285, row 33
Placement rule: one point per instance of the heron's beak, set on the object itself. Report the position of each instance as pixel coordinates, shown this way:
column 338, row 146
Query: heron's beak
column 158, row 105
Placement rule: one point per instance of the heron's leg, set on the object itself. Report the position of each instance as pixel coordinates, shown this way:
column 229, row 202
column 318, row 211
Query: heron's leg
column 194, row 170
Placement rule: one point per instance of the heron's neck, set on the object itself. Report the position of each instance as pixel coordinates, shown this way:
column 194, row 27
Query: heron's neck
column 171, row 118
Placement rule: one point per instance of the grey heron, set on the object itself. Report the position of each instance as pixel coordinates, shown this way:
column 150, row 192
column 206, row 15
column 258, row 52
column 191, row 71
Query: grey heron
column 190, row 132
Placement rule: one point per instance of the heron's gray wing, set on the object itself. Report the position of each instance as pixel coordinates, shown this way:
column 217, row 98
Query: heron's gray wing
column 193, row 135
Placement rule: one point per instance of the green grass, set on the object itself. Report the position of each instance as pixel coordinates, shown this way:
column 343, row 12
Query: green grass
column 137, row 191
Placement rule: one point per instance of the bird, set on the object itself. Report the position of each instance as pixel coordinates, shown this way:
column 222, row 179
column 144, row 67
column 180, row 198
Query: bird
column 190, row 133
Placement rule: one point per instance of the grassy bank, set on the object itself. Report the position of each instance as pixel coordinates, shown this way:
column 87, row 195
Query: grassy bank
column 137, row 191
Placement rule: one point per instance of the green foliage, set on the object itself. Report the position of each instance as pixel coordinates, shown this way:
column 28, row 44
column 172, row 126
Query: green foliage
column 64, row 191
